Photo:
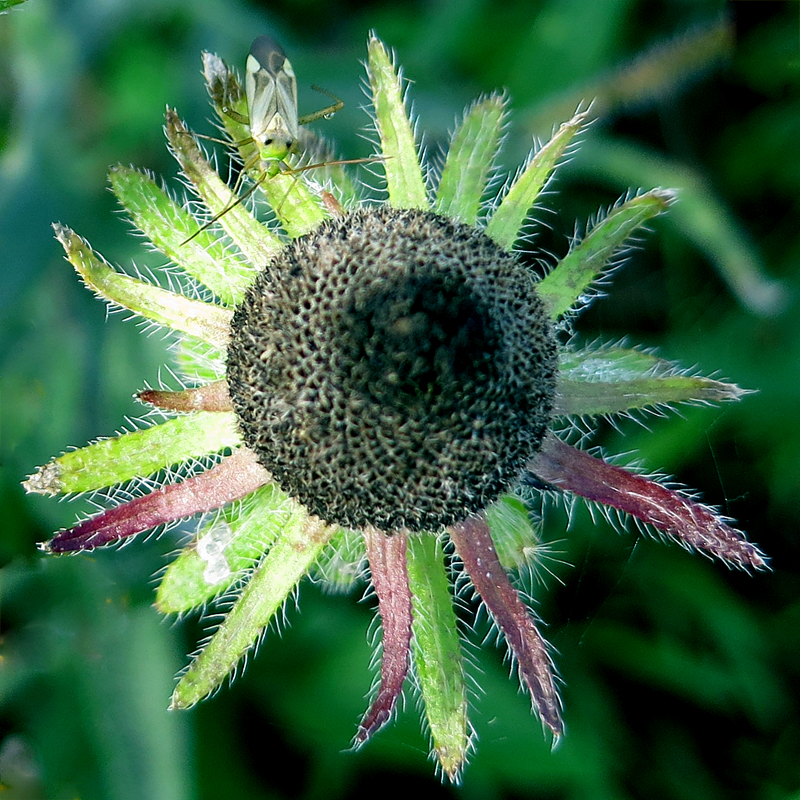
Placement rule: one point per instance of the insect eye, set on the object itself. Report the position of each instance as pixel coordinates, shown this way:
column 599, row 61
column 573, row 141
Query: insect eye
column 276, row 140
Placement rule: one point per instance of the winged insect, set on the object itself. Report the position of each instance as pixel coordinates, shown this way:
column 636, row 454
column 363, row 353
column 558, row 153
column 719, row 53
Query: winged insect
column 272, row 119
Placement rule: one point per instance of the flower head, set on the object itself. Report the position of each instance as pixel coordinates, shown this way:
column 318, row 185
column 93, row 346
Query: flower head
column 370, row 384
column 393, row 369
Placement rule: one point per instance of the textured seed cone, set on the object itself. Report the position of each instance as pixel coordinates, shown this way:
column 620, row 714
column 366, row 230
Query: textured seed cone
column 393, row 368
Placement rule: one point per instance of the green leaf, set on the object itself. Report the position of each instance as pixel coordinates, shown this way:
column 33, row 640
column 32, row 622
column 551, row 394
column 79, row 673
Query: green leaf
column 611, row 380
column 140, row 453
column 469, row 159
column 585, row 262
column 404, row 179
column 506, row 222
column 298, row 546
column 438, row 660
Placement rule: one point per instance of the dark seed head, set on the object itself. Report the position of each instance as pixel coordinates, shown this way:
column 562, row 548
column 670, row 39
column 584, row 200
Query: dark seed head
column 393, row 368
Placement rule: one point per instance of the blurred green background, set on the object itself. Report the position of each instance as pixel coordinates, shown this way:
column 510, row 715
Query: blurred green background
column 680, row 677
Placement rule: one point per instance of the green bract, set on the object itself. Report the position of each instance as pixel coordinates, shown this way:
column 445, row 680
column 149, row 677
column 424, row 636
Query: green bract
column 255, row 541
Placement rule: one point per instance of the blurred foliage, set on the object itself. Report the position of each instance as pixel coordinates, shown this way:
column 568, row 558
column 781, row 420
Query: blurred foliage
column 681, row 679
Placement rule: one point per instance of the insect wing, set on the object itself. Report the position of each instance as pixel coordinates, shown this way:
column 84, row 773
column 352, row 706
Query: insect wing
column 271, row 89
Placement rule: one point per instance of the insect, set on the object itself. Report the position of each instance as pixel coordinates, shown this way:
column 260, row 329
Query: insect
column 271, row 92
column 273, row 122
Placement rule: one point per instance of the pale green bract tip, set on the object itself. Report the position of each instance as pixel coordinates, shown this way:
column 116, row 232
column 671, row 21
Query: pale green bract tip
column 204, row 320
column 119, row 459
column 404, row 181
column 564, row 287
column 508, row 218
column 438, row 657
column 469, row 162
